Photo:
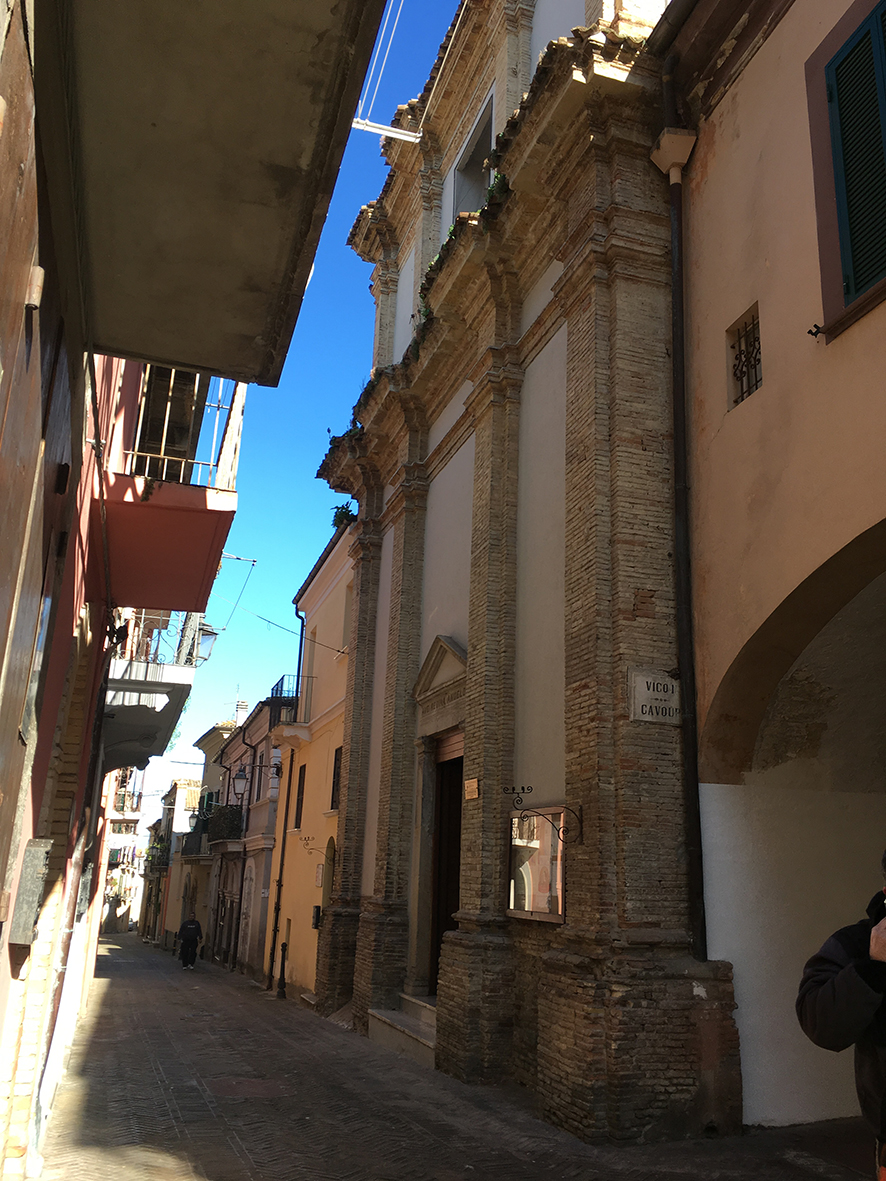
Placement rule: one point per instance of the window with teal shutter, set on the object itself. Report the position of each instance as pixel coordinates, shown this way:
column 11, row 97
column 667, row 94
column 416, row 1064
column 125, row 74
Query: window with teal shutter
column 856, row 82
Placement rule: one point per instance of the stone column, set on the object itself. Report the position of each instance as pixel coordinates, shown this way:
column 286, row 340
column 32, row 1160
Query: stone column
column 421, row 890
column 337, row 941
column 382, row 950
column 475, row 990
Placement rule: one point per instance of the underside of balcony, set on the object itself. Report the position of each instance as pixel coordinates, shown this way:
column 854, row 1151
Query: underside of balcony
column 191, row 152
column 165, row 542
column 144, row 703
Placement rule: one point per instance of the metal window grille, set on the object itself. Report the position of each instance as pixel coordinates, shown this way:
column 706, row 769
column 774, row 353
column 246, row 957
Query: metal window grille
column 747, row 367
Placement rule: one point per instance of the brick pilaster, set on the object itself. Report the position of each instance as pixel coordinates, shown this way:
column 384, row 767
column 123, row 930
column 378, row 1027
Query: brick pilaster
column 382, row 942
column 475, row 990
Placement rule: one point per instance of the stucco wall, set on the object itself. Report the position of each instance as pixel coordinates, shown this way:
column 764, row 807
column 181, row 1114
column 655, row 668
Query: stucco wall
column 540, row 741
column 405, row 305
column 550, row 20
column 447, row 564
column 448, row 417
column 793, row 473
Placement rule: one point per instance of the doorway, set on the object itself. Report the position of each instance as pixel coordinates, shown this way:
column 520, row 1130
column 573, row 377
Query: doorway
column 446, row 859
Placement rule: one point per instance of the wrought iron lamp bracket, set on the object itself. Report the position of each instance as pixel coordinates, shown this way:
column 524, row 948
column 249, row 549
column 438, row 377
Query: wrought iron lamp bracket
column 563, row 831
column 309, row 847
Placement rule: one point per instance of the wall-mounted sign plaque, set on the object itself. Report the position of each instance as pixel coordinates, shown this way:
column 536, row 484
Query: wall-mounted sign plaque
column 654, row 696
column 472, row 789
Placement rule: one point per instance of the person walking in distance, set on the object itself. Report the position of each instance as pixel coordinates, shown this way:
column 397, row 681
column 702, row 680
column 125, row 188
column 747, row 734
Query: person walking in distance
column 842, row 1003
column 190, row 933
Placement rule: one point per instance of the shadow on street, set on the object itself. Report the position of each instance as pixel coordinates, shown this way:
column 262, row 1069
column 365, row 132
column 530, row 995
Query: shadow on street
column 202, row 1074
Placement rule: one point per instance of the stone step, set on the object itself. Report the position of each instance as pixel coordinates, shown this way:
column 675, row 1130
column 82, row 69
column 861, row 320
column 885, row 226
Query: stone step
column 422, row 1007
column 401, row 1032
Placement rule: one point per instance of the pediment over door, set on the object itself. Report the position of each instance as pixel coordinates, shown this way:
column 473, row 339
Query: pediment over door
column 440, row 686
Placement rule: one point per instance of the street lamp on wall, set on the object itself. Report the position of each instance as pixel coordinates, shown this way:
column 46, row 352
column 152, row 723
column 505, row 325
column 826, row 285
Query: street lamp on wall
column 208, row 636
column 239, row 782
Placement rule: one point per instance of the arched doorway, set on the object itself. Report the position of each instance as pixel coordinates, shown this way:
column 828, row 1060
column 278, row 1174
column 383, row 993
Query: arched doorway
column 792, row 844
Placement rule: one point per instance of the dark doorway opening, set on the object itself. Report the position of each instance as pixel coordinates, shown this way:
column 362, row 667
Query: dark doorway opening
column 447, row 859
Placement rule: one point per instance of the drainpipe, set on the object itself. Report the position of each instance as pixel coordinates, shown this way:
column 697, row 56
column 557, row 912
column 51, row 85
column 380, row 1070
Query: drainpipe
column 236, row 941
column 302, row 619
column 276, row 930
column 671, row 154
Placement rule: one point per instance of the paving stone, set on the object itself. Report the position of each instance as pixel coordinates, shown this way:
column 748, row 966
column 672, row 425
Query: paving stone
column 206, row 1078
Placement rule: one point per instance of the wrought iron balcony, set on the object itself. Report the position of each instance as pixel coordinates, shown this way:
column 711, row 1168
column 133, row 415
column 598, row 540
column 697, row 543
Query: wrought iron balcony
column 285, row 698
column 157, row 859
column 225, row 823
column 196, row 844
column 126, row 801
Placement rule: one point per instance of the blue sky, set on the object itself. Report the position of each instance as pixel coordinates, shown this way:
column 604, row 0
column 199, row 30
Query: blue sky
column 284, row 516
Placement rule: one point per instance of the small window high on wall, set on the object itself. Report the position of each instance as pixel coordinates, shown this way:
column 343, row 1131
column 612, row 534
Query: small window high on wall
column 472, row 177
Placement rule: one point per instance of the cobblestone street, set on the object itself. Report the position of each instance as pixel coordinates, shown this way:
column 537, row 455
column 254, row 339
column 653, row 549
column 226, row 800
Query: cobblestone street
column 178, row 1075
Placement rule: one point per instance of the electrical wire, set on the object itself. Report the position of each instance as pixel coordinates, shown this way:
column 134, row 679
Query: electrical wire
column 271, row 623
column 384, row 61
column 378, row 46
column 242, row 589
column 461, row 11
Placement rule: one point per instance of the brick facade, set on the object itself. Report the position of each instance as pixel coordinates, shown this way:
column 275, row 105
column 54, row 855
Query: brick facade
column 608, row 1015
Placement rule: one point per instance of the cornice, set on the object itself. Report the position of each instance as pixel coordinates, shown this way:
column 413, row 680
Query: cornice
column 372, row 235
column 571, row 77
column 259, row 843
column 500, row 382
column 410, row 494
column 715, row 45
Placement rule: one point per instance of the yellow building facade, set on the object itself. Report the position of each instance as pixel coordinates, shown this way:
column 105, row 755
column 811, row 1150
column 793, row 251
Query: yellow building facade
column 310, row 743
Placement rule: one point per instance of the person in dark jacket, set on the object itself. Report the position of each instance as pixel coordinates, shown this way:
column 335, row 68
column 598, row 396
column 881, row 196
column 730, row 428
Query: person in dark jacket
column 842, row 1003
column 190, row 933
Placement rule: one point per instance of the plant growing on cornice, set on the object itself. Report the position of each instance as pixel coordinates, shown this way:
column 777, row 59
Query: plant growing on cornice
column 498, row 190
column 342, row 514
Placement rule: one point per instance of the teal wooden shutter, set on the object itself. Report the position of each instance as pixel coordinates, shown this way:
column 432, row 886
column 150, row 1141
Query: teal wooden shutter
column 856, row 81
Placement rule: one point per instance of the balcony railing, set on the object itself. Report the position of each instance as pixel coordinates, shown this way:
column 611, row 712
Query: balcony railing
column 168, row 637
column 157, row 858
column 188, row 429
column 196, row 844
column 226, row 823
column 125, row 801
column 289, row 700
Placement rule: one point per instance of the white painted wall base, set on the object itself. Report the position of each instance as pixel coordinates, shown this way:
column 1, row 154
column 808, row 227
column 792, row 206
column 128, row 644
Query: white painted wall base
column 784, row 869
